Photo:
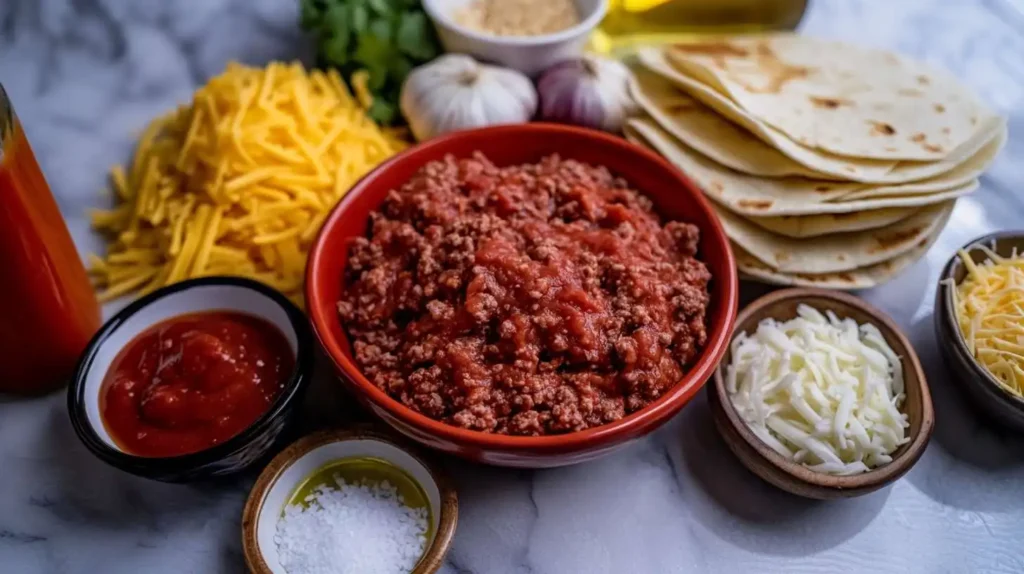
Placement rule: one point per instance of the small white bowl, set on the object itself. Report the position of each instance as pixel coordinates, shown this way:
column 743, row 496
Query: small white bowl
column 192, row 296
column 528, row 54
column 277, row 483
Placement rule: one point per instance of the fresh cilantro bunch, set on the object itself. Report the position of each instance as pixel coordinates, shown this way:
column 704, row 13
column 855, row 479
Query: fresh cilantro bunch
column 387, row 38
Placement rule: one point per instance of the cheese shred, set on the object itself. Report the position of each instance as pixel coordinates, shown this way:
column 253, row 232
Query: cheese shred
column 238, row 182
column 820, row 391
column 989, row 306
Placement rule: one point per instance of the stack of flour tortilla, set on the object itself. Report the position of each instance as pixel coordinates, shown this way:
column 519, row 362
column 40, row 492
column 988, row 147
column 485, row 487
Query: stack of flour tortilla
column 829, row 165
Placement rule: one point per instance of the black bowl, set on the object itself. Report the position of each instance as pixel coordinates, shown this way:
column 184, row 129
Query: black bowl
column 205, row 294
column 981, row 387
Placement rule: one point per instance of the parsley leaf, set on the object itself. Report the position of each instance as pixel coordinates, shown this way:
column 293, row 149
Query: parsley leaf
column 387, row 38
column 413, row 36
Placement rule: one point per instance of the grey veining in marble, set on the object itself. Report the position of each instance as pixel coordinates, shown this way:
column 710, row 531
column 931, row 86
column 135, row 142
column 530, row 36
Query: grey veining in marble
column 86, row 76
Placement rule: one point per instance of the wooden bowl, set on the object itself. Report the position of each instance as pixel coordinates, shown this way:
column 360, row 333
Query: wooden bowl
column 294, row 464
column 796, row 478
column 982, row 388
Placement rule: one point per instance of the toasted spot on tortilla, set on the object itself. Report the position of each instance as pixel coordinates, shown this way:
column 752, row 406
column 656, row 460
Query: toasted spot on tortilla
column 911, row 92
column 945, row 131
column 823, row 188
column 881, row 128
column 777, row 71
column 923, row 80
column 850, row 169
column 756, row 203
column 918, row 138
column 932, row 148
column 892, row 239
column 764, row 50
column 712, row 49
column 782, row 76
column 717, row 187
column 840, row 257
column 939, row 108
column 889, row 148
column 781, row 256
column 829, row 103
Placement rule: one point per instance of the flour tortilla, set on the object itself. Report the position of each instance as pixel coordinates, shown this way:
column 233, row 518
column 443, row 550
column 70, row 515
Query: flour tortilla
column 825, row 163
column 753, row 196
column 731, row 149
column 968, row 170
column 832, row 253
column 704, row 130
column 863, row 278
column 803, row 226
column 844, row 99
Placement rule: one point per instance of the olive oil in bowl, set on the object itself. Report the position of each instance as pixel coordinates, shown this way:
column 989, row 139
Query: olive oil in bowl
column 636, row 22
column 364, row 470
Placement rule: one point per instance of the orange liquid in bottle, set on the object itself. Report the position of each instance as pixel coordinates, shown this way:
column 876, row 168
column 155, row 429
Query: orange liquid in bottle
column 48, row 310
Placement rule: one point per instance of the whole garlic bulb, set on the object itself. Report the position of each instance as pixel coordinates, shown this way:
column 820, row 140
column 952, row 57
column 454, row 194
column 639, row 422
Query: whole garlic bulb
column 455, row 92
column 592, row 92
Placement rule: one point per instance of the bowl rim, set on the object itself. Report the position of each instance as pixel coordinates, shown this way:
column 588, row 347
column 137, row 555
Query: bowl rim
column 719, row 335
column 947, row 282
column 588, row 23
column 448, row 513
column 866, row 481
column 143, row 465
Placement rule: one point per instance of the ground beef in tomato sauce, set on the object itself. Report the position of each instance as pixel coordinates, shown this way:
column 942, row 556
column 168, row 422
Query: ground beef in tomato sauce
column 527, row 300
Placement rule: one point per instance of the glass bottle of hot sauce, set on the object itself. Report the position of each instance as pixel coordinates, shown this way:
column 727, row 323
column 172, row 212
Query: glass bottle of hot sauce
column 48, row 310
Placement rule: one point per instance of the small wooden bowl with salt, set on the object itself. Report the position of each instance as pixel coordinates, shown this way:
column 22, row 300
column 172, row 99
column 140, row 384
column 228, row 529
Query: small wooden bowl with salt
column 291, row 501
column 796, row 478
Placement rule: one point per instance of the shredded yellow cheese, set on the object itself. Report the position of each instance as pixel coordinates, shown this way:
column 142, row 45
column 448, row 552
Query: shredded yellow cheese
column 989, row 305
column 239, row 181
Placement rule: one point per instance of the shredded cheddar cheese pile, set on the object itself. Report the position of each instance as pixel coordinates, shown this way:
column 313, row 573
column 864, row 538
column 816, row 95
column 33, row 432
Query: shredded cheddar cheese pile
column 989, row 305
column 238, row 182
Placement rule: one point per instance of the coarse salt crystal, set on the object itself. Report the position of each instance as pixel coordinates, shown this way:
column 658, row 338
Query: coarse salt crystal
column 353, row 528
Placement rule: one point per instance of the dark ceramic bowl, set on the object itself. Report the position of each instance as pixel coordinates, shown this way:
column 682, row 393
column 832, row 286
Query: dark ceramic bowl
column 196, row 295
column 673, row 195
column 982, row 388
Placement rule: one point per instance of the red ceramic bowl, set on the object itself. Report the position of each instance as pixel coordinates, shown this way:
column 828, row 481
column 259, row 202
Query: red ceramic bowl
column 675, row 198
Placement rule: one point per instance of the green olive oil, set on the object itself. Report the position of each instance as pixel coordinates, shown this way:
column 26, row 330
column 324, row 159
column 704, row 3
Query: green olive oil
column 631, row 23
column 364, row 470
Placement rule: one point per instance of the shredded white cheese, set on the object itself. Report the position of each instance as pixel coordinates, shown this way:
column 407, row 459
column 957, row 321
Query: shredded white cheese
column 821, row 391
column 351, row 529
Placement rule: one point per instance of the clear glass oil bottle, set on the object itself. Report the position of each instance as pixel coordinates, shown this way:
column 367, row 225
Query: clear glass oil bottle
column 630, row 23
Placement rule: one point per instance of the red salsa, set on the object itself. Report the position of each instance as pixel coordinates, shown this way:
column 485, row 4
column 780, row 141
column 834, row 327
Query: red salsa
column 194, row 381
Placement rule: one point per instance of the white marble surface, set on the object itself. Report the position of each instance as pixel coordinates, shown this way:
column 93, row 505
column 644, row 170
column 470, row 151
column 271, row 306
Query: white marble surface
column 86, row 75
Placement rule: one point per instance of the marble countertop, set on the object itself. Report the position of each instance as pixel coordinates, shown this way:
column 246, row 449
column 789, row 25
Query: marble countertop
column 87, row 75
